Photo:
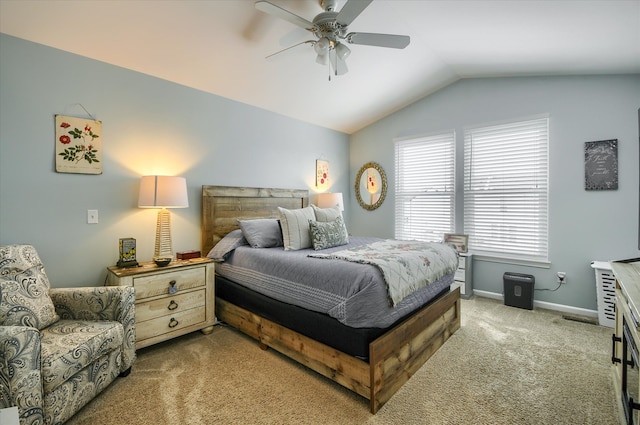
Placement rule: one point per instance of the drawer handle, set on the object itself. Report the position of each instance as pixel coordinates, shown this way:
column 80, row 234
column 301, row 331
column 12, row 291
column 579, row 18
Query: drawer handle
column 172, row 287
column 173, row 323
column 172, row 305
column 614, row 339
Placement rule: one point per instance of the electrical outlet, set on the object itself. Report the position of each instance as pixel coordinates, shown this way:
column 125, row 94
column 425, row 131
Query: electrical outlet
column 92, row 216
column 562, row 277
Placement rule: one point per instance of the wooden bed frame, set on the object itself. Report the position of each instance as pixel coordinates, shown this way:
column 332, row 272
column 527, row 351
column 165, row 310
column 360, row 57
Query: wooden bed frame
column 393, row 357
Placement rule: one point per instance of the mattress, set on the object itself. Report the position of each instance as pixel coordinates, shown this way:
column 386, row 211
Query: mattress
column 353, row 294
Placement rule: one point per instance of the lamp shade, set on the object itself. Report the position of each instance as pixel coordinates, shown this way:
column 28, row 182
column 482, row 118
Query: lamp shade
column 330, row 200
column 163, row 192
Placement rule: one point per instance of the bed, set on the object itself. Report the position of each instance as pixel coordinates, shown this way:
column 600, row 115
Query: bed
column 372, row 362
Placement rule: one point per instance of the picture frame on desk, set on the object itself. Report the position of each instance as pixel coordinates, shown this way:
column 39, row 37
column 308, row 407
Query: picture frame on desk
column 460, row 242
column 127, row 253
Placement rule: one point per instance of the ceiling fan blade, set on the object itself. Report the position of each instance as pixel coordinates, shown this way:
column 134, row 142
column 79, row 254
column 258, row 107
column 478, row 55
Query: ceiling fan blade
column 290, row 47
column 351, row 10
column 380, row 40
column 272, row 9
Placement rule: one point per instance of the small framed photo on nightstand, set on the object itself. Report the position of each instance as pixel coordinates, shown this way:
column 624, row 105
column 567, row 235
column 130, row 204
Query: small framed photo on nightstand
column 127, row 253
column 460, row 242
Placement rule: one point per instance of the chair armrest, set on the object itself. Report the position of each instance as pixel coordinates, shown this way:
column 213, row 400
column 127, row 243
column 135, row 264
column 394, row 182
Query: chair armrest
column 20, row 376
column 115, row 303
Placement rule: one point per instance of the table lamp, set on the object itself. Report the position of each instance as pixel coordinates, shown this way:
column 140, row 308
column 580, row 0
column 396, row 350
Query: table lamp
column 163, row 192
column 330, row 200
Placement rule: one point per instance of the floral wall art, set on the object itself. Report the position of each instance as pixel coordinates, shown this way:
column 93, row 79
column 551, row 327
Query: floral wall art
column 78, row 145
column 322, row 175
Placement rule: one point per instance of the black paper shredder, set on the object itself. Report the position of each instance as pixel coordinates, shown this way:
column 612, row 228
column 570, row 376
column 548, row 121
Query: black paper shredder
column 518, row 290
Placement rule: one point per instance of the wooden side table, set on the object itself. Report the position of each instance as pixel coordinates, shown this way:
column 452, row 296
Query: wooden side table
column 171, row 300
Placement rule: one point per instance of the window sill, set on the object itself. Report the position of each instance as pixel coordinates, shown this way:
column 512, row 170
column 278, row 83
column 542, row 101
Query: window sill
column 543, row 264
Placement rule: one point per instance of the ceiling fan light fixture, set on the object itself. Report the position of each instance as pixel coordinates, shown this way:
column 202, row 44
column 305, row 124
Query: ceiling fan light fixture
column 342, row 51
column 322, row 59
column 322, row 46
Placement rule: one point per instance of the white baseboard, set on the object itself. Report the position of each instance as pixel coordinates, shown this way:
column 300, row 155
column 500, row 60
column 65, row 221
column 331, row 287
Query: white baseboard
column 544, row 304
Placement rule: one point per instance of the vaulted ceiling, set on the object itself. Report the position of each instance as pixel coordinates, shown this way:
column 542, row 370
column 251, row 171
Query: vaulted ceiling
column 219, row 46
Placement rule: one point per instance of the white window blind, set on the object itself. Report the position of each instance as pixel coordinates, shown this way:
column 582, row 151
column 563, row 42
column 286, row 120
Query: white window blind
column 506, row 189
column 425, row 187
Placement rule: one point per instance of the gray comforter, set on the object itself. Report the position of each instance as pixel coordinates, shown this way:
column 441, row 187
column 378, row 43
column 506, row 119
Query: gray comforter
column 355, row 294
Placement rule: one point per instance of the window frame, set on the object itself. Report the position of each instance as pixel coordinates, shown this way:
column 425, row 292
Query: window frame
column 439, row 189
column 539, row 230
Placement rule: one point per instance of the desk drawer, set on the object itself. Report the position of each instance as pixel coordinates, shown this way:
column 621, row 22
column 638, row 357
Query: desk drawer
column 169, row 305
column 159, row 284
column 169, row 323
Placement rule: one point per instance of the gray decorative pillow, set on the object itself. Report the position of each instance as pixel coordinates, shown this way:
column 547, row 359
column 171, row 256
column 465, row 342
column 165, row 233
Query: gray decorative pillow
column 227, row 244
column 295, row 227
column 328, row 234
column 326, row 214
column 25, row 299
column 262, row 232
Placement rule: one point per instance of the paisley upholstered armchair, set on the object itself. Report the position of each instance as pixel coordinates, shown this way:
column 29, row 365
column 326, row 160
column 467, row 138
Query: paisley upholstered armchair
column 59, row 348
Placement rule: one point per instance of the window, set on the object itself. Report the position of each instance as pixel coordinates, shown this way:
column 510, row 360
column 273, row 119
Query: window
column 425, row 187
column 506, row 189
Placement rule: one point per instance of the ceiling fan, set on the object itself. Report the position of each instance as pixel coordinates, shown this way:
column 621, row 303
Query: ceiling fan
column 331, row 30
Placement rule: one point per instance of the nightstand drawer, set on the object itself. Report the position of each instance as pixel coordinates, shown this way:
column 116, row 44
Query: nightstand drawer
column 169, row 305
column 158, row 284
column 464, row 274
column 169, row 323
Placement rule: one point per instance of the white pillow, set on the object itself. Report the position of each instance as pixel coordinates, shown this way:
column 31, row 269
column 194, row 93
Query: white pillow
column 295, row 227
column 326, row 214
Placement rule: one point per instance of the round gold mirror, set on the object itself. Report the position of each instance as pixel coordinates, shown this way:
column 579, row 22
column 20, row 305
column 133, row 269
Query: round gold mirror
column 371, row 186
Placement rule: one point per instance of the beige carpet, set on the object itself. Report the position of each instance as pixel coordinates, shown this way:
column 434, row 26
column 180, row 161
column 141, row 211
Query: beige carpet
column 504, row 366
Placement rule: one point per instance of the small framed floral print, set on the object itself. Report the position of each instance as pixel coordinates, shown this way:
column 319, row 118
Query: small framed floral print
column 322, row 175
column 78, row 145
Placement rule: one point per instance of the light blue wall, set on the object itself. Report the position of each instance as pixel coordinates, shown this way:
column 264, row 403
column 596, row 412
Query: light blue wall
column 154, row 126
column 149, row 126
column 584, row 226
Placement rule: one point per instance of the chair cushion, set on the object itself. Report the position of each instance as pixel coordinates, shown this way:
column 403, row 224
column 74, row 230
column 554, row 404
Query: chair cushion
column 70, row 345
column 25, row 299
column 17, row 258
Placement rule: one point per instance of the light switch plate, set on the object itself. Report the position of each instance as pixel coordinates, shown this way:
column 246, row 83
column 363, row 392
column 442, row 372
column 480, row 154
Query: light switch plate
column 92, row 216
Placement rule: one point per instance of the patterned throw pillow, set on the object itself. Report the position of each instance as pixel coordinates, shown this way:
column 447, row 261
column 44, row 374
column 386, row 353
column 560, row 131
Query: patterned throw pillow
column 25, row 299
column 328, row 234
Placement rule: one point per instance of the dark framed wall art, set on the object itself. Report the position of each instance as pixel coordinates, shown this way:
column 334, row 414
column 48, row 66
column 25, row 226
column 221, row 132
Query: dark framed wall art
column 601, row 165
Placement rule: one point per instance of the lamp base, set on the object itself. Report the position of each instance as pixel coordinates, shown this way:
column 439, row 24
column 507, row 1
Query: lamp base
column 163, row 249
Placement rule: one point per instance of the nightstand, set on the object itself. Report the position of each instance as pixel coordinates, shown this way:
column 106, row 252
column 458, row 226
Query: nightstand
column 171, row 300
column 464, row 274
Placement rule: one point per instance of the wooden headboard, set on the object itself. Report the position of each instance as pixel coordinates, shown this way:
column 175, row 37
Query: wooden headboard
column 222, row 206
